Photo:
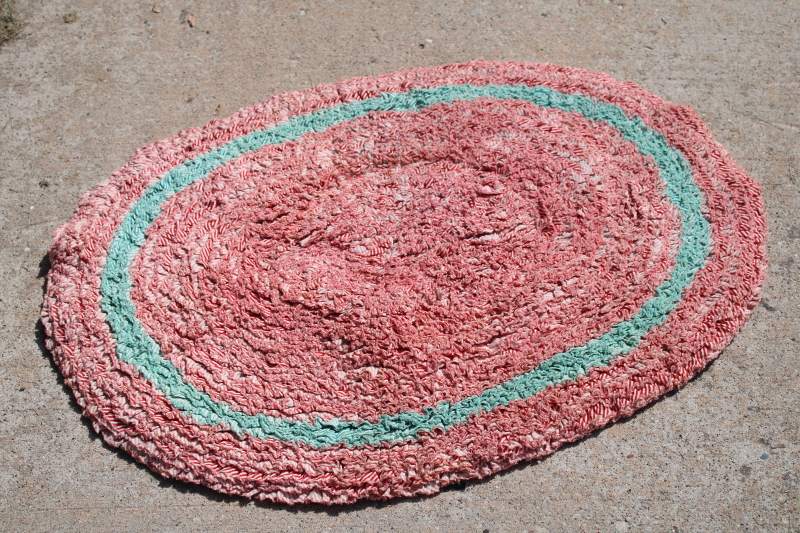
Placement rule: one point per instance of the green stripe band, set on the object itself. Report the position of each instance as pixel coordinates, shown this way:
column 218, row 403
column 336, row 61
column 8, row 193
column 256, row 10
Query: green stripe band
column 134, row 346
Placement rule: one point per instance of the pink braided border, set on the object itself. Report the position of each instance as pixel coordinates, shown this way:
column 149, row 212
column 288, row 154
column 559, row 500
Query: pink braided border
column 128, row 413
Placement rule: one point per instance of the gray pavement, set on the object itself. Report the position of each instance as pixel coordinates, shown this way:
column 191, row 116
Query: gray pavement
column 78, row 97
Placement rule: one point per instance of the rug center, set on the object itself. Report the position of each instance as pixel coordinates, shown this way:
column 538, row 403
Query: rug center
column 396, row 261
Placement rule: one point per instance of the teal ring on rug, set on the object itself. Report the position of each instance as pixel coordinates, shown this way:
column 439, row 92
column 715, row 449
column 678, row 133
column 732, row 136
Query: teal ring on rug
column 135, row 347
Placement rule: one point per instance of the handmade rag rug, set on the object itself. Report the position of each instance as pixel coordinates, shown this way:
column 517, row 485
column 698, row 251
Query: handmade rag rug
column 379, row 287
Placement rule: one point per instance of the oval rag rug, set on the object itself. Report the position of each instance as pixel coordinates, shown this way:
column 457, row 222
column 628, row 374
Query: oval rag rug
column 376, row 288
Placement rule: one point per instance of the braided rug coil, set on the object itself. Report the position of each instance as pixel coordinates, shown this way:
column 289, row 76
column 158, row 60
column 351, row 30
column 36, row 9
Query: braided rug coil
column 376, row 288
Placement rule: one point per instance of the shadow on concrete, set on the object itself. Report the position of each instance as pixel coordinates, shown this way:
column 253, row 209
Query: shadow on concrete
column 41, row 342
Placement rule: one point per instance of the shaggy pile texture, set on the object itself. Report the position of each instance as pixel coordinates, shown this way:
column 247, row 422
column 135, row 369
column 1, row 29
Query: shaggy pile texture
column 376, row 288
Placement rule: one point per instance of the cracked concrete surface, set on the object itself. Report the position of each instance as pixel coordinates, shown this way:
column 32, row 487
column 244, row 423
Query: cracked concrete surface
column 89, row 81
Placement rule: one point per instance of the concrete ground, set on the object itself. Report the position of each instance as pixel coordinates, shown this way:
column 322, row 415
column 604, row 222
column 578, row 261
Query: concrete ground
column 89, row 81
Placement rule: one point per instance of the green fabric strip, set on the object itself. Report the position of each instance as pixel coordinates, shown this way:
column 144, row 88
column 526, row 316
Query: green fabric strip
column 134, row 346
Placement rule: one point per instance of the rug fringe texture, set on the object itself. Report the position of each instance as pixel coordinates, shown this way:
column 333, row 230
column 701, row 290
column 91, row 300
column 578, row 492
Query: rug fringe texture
column 380, row 287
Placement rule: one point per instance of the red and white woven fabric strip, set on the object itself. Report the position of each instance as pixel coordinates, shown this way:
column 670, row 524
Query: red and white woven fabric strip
column 376, row 288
